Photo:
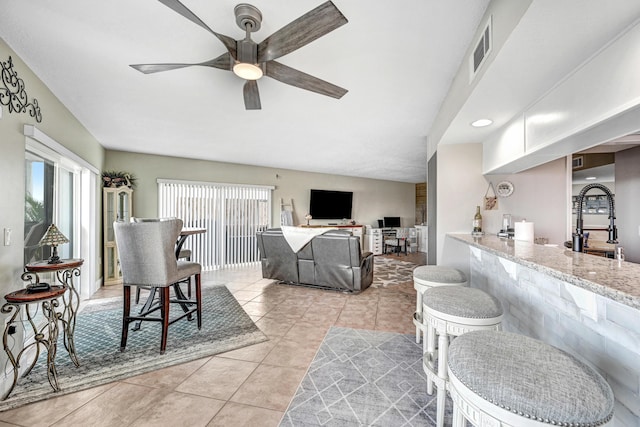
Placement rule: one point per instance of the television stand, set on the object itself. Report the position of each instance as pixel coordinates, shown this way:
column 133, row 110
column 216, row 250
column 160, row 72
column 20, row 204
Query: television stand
column 356, row 229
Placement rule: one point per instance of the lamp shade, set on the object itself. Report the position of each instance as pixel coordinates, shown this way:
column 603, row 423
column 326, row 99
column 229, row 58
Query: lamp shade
column 53, row 237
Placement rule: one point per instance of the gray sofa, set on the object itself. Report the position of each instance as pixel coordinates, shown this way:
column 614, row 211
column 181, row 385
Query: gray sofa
column 332, row 260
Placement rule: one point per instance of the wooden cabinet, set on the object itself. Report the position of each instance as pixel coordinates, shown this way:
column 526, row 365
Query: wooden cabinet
column 116, row 206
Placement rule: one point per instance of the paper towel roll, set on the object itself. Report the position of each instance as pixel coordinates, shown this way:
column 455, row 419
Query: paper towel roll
column 523, row 231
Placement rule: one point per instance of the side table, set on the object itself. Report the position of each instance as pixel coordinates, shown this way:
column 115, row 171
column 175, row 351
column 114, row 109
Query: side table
column 48, row 300
column 65, row 271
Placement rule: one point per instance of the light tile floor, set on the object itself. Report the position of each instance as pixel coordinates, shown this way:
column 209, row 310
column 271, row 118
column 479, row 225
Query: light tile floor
column 251, row 386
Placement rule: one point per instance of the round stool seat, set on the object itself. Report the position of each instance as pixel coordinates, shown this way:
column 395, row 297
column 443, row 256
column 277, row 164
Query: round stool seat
column 451, row 311
column 516, row 376
column 435, row 275
column 452, row 302
column 429, row 276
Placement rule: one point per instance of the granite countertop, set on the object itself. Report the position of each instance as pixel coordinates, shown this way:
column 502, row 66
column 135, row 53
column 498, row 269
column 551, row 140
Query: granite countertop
column 619, row 281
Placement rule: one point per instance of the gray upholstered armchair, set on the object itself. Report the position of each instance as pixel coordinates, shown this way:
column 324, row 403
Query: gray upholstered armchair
column 147, row 258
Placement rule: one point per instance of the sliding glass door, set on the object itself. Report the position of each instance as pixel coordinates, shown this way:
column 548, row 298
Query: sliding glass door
column 230, row 213
column 38, row 211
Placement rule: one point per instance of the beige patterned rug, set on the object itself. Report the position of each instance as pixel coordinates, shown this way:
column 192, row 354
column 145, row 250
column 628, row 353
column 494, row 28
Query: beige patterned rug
column 390, row 271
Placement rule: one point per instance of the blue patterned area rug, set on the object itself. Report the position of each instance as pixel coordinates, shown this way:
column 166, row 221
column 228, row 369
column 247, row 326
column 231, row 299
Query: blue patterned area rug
column 225, row 327
column 364, row 378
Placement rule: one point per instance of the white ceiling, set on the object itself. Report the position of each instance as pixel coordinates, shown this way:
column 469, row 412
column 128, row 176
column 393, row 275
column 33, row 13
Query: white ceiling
column 552, row 39
column 396, row 59
column 605, row 173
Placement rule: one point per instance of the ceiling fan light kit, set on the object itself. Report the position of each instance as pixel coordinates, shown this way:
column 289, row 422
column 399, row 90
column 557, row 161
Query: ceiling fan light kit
column 250, row 60
column 247, row 71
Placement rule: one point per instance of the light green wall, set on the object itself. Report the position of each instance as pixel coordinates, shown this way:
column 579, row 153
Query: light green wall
column 59, row 124
column 372, row 199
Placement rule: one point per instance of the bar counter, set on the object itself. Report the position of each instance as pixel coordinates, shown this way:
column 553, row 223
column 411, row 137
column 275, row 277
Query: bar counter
column 584, row 304
column 619, row 281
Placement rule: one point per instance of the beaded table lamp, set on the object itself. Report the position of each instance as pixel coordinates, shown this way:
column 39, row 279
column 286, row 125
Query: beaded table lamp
column 53, row 237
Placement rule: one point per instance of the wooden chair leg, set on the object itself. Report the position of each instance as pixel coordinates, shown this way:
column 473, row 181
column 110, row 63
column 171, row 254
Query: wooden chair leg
column 189, row 283
column 164, row 315
column 125, row 316
column 199, row 301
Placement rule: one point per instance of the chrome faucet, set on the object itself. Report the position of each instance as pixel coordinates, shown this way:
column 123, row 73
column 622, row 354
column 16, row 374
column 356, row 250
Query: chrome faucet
column 578, row 236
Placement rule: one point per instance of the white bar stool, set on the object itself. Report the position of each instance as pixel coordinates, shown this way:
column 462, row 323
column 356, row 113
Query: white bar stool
column 429, row 276
column 451, row 311
column 505, row 379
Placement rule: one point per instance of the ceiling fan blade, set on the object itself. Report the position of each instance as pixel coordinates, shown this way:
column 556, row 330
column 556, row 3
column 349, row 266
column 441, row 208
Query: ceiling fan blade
column 223, row 62
column 229, row 43
column 156, row 68
column 302, row 80
column 310, row 26
column 251, row 95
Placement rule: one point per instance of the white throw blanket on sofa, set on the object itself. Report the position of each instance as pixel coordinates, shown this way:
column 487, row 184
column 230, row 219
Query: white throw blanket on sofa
column 297, row 237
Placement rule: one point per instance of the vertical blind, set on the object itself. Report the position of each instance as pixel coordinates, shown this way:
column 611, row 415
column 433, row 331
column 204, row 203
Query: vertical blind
column 230, row 213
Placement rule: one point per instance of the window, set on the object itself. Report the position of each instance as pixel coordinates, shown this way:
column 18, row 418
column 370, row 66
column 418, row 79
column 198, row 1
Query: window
column 38, row 210
column 51, row 197
column 60, row 189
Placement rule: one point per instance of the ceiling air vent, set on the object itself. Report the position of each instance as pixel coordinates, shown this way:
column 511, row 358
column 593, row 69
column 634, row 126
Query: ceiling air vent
column 481, row 50
column 577, row 162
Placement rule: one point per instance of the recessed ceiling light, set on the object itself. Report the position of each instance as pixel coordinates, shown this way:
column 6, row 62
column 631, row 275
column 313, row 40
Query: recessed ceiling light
column 481, row 123
column 591, row 178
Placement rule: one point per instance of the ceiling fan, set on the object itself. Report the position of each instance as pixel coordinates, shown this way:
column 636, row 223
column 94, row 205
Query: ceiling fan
column 250, row 60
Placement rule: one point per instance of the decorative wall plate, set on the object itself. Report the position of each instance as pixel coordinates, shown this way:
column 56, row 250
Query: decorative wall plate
column 504, row 189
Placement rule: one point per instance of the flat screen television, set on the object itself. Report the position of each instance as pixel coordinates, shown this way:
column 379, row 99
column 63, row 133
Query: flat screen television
column 392, row 221
column 325, row 204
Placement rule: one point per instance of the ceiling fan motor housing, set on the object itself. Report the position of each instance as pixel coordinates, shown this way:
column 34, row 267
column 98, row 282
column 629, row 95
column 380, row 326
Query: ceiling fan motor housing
column 247, row 51
column 248, row 17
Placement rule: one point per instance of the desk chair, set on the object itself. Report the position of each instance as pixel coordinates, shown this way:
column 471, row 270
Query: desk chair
column 397, row 243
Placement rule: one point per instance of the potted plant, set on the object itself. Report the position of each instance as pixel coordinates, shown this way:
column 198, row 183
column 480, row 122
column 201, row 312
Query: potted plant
column 118, row 179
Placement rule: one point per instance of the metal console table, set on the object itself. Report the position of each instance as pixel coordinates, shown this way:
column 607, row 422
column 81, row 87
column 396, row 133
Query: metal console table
column 48, row 300
column 65, row 271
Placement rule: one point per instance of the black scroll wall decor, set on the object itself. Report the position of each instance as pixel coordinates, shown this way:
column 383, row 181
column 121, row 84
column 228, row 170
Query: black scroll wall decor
column 13, row 94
